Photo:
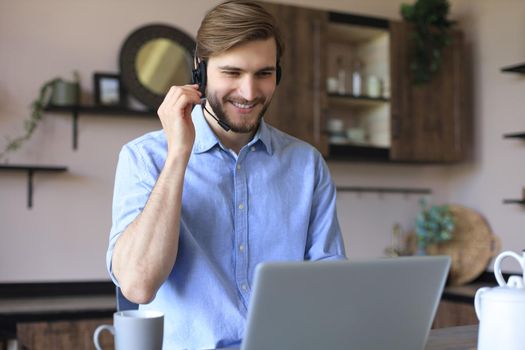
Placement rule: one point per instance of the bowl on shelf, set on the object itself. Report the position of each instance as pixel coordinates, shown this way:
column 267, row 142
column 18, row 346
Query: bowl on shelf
column 335, row 125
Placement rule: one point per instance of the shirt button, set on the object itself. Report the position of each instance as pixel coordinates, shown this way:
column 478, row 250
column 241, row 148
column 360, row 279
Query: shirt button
column 241, row 248
column 244, row 287
column 238, row 167
column 253, row 148
column 241, row 206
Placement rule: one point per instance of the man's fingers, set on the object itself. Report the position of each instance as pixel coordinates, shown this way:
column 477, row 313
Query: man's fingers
column 179, row 98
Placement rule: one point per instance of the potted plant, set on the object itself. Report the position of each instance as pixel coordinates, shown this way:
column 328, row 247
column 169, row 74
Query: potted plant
column 430, row 36
column 55, row 91
column 434, row 224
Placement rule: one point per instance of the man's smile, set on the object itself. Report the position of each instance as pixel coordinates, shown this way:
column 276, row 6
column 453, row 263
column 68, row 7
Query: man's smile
column 243, row 105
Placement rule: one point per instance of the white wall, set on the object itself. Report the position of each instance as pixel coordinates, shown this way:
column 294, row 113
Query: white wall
column 64, row 236
column 495, row 29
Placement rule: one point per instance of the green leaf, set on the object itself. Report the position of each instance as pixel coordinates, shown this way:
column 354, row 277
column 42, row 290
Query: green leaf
column 430, row 36
column 37, row 108
column 407, row 12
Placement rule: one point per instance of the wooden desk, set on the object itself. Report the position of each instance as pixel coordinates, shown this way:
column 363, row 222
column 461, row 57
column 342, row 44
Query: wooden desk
column 454, row 338
column 62, row 322
column 88, row 312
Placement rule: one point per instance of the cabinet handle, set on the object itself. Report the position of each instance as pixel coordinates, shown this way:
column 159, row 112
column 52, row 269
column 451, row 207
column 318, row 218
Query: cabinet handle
column 396, row 127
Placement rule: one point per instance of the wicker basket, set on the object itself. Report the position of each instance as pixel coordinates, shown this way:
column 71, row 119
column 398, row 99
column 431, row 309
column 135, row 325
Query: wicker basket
column 472, row 247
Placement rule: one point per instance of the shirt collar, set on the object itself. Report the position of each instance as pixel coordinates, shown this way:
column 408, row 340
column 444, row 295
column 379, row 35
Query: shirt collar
column 205, row 138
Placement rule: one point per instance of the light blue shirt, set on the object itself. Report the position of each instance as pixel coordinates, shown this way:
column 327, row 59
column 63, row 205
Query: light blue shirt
column 273, row 201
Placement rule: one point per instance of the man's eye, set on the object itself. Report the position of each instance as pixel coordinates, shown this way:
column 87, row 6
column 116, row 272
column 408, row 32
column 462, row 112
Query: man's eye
column 265, row 73
column 231, row 73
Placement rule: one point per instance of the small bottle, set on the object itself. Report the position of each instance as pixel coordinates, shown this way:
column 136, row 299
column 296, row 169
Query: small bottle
column 373, row 86
column 357, row 78
column 341, row 76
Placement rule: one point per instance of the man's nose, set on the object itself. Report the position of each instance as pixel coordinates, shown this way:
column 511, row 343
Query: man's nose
column 248, row 88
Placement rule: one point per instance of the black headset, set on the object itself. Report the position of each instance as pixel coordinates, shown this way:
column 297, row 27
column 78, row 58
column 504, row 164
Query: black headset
column 199, row 75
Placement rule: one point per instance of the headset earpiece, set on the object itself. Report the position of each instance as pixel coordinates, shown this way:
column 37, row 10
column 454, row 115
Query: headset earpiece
column 278, row 73
column 199, row 76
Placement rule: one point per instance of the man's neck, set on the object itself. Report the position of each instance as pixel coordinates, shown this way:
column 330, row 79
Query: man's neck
column 230, row 139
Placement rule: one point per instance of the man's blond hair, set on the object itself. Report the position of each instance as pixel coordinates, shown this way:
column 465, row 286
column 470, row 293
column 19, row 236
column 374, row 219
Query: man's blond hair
column 233, row 23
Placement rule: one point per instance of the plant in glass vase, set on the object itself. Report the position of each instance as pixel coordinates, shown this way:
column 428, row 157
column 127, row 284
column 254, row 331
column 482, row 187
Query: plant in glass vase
column 434, row 224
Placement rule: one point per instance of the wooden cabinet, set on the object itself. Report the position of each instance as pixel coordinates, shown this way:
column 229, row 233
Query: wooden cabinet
column 429, row 122
column 452, row 314
column 357, row 75
column 62, row 335
column 296, row 105
column 398, row 122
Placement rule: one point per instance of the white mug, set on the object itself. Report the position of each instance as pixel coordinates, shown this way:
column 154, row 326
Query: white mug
column 134, row 330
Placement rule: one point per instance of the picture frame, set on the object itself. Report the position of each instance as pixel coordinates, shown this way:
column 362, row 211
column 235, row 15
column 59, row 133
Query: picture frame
column 108, row 90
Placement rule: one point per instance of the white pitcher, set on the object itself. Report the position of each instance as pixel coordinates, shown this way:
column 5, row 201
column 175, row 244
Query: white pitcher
column 501, row 310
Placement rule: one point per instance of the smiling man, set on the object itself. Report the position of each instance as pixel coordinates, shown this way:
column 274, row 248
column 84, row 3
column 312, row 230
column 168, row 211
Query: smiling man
column 198, row 204
column 241, row 82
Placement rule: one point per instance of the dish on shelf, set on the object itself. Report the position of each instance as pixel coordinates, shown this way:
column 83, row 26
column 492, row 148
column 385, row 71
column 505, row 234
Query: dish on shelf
column 338, row 140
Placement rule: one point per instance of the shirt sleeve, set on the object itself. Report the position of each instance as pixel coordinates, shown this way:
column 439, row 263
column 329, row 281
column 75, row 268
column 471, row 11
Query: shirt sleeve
column 133, row 185
column 325, row 241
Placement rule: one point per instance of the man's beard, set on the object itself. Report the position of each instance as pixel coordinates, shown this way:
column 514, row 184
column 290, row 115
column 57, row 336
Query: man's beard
column 242, row 127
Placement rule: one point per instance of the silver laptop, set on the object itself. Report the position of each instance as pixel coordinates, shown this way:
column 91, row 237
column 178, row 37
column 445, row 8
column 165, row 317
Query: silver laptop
column 364, row 305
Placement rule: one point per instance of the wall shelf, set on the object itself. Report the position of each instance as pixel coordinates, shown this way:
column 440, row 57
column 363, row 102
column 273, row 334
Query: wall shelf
column 519, row 68
column 358, row 101
column 31, row 169
column 518, row 135
column 345, row 152
column 381, row 190
column 97, row 110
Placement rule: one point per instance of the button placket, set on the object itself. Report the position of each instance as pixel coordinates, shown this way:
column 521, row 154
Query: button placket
column 241, row 228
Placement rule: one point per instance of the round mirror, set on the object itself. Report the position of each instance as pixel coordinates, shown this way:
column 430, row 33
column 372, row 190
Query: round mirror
column 162, row 63
column 152, row 59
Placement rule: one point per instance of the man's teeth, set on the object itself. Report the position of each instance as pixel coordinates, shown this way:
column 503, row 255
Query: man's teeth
column 241, row 105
